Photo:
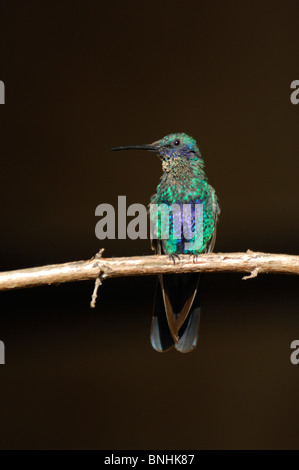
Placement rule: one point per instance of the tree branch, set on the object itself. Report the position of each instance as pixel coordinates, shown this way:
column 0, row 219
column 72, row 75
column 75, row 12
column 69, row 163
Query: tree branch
column 250, row 262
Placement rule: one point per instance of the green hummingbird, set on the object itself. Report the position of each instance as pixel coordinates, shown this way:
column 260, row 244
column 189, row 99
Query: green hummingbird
column 183, row 184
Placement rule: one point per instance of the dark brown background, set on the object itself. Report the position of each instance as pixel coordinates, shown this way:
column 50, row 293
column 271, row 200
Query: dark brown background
column 80, row 78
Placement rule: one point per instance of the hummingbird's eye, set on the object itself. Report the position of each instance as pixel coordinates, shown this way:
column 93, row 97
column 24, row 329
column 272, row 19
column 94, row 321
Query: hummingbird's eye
column 176, row 142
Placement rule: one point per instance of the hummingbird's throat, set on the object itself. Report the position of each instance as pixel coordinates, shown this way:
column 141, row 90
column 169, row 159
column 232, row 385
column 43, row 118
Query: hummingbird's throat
column 171, row 165
column 181, row 168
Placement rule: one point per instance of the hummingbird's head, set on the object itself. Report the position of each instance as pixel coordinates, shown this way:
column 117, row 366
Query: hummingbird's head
column 172, row 147
column 178, row 145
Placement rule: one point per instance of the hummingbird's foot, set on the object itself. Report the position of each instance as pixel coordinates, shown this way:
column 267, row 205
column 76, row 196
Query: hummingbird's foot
column 173, row 257
column 194, row 257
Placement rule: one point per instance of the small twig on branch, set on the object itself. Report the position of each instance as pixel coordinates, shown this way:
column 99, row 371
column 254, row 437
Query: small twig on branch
column 253, row 274
column 249, row 262
column 98, row 282
column 94, row 296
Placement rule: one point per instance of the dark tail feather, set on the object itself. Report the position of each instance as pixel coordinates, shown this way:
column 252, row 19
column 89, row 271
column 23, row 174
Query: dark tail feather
column 161, row 338
column 188, row 334
column 179, row 288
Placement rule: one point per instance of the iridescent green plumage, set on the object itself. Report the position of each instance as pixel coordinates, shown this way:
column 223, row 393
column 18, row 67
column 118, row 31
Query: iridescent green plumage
column 183, row 184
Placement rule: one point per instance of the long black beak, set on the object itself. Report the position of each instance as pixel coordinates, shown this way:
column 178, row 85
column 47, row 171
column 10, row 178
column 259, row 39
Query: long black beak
column 149, row 147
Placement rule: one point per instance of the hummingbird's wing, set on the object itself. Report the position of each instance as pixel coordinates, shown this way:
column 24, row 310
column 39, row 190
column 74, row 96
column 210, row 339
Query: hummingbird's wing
column 216, row 211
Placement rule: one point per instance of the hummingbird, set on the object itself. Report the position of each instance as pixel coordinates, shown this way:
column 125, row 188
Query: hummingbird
column 175, row 321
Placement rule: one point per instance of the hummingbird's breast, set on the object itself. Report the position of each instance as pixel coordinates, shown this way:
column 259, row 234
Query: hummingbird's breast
column 192, row 197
